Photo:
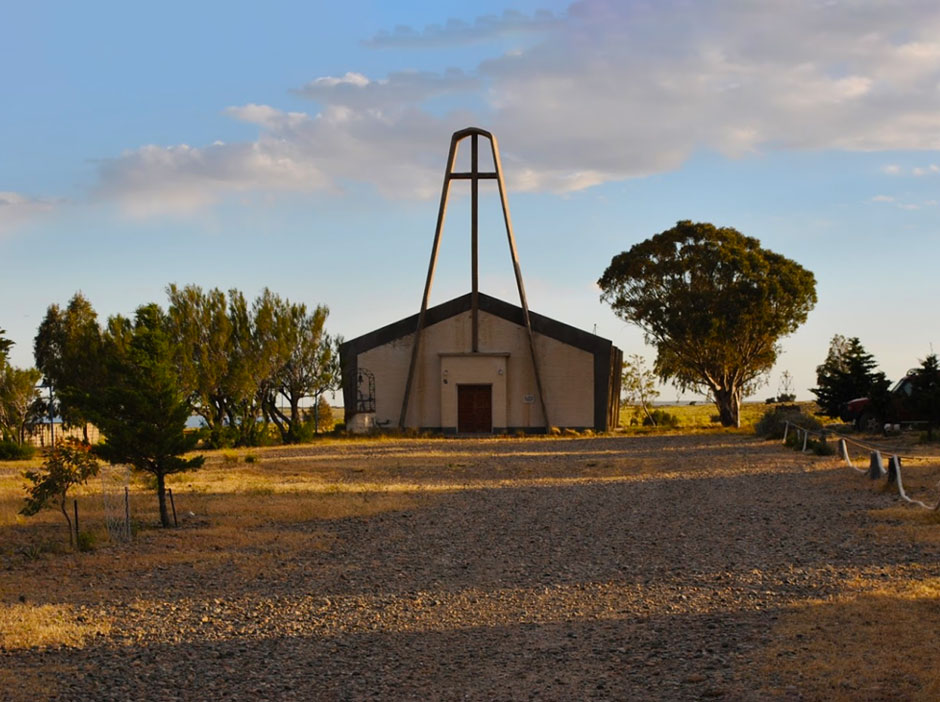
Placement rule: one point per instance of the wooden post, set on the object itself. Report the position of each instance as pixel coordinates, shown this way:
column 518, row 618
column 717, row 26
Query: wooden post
column 876, row 469
column 844, row 452
column 786, row 430
column 894, row 470
column 805, row 439
column 127, row 513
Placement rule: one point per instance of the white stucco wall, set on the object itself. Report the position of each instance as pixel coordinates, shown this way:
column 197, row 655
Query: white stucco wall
column 567, row 376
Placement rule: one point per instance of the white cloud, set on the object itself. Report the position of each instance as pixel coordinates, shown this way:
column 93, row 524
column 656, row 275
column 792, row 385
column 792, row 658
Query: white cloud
column 608, row 91
column 882, row 198
column 16, row 209
column 398, row 89
column 932, row 169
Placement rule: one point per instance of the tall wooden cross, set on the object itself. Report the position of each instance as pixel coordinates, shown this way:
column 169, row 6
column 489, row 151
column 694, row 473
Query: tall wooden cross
column 474, row 176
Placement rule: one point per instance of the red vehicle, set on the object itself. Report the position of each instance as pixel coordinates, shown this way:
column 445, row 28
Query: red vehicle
column 899, row 410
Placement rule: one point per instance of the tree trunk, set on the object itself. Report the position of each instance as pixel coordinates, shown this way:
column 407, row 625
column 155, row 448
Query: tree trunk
column 68, row 519
column 161, row 497
column 728, row 403
column 295, row 419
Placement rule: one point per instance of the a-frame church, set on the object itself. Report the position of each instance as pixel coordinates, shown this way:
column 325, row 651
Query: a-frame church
column 477, row 364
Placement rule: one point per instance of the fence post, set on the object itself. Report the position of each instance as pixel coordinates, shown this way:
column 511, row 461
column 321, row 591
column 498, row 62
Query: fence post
column 805, row 439
column 786, row 430
column 894, row 470
column 127, row 513
column 844, row 452
column 876, row 469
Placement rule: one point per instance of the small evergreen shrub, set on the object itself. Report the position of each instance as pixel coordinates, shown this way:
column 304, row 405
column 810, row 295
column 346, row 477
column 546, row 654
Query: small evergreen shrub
column 87, row 541
column 661, row 418
column 12, row 451
column 772, row 424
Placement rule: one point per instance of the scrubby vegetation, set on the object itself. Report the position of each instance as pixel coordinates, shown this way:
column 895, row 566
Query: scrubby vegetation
column 772, row 424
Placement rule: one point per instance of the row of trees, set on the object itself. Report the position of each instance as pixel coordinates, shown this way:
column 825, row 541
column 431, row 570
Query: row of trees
column 241, row 367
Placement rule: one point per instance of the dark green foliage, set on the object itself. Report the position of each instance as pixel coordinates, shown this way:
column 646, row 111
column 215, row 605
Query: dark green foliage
column 661, row 418
column 847, row 373
column 142, row 408
column 771, row 425
column 5, row 346
column 714, row 303
column 925, row 396
column 86, row 541
column 69, row 463
column 66, row 349
column 13, row 451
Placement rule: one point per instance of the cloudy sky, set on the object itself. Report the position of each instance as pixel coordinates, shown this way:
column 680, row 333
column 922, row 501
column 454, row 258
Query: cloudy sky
column 300, row 146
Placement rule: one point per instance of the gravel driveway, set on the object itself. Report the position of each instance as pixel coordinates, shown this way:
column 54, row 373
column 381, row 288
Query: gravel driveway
column 636, row 568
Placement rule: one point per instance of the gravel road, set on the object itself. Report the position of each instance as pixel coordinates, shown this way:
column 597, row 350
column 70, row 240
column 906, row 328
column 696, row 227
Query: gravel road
column 643, row 568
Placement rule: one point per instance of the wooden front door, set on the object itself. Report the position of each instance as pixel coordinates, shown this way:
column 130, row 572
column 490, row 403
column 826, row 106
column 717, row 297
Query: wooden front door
column 474, row 409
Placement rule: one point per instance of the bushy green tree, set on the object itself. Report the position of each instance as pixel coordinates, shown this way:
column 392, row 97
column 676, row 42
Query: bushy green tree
column 847, row 373
column 201, row 331
column 142, row 406
column 714, row 303
column 70, row 463
column 241, row 364
column 66, row 349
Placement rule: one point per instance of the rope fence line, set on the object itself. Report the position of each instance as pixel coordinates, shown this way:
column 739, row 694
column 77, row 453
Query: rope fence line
column 876, row 469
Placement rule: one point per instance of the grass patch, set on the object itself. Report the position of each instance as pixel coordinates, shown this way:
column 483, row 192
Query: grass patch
column 697, row 417
column 872, row 642
column 24, row 625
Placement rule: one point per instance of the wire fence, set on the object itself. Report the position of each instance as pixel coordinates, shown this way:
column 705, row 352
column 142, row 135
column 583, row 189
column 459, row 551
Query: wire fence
column 876, row 468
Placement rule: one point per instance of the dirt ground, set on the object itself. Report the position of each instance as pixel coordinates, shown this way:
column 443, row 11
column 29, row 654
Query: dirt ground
column 710, row 566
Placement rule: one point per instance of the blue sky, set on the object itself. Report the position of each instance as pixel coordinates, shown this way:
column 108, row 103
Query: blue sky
column 300, row 146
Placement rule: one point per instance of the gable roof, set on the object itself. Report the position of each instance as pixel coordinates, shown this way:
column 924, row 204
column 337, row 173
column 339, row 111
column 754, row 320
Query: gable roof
column 546, row 326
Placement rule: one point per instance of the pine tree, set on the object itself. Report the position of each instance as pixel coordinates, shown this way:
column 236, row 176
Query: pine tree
column 848, row 372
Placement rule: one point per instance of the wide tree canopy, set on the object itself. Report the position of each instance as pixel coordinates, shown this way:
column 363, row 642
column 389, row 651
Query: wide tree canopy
column 713, row 303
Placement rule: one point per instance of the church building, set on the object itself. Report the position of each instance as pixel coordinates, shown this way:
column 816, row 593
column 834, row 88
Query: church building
column 477, row 364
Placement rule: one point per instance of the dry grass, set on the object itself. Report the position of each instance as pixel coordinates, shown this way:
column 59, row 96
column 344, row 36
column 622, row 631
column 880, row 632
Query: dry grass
column 698, row 417
column 872, row 642
column 25, row 625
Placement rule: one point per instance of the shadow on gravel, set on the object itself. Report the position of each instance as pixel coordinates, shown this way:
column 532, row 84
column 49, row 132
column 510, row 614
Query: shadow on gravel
column 657, row 658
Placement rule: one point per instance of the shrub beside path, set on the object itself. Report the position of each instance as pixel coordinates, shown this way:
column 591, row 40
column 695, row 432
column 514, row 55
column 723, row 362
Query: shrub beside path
column 648, row 568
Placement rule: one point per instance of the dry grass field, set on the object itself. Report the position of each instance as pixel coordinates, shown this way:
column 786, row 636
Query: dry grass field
column 662, row 567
